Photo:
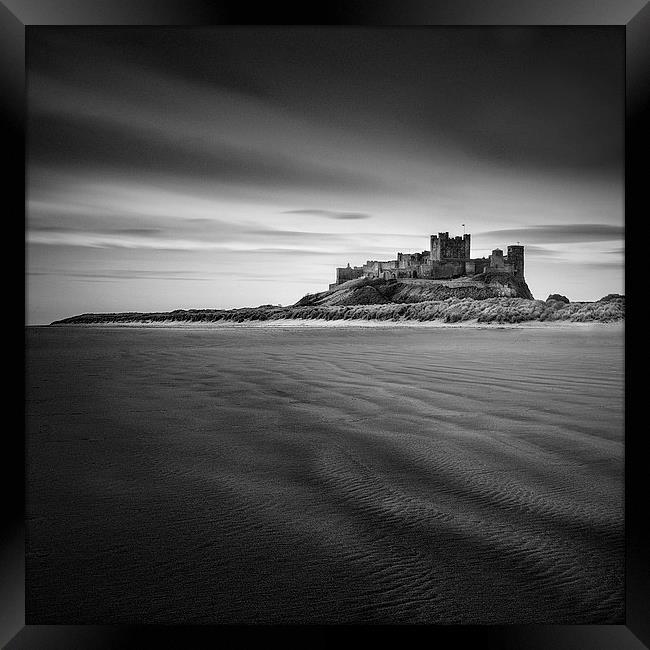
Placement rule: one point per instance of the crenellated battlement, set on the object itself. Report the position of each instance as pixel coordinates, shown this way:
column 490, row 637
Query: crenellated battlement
column 450, row 249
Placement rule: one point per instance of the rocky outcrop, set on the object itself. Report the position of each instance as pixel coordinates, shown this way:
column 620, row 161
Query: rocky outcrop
column 365, row 291
column 612, row 297
column 558, row 297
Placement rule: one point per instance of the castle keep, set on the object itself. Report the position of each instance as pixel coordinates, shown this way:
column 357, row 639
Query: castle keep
column 447, row 257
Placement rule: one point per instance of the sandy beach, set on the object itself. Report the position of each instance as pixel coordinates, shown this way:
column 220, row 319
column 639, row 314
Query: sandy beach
column 281, row 474
column 320, row 323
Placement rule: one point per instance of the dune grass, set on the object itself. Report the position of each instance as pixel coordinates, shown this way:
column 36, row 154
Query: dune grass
column 451, row 310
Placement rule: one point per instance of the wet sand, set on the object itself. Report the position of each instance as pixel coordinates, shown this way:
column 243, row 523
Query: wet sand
column 397, row 475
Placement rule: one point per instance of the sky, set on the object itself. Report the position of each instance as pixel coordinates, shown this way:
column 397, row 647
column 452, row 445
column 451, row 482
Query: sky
column 180, row 168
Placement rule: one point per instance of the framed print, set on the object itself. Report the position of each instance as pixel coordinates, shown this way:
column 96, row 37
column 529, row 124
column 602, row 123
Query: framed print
column 326, row 322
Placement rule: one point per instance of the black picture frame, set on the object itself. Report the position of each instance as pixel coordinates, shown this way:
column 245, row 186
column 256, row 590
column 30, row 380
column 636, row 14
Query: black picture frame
column 632, row 16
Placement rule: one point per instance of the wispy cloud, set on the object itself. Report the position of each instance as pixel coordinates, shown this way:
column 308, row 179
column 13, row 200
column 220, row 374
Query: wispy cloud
column 84, row 226
column 127, row 274
column 330, row 214
column 539, row 251
column 111, row 148
column 558, row 233
column 121, row 275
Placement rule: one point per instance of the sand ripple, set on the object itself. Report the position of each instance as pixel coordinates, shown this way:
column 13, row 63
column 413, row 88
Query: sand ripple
column 441, row 476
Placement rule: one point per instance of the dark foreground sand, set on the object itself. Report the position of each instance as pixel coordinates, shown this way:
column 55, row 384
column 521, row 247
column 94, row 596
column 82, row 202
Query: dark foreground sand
column 346, row 475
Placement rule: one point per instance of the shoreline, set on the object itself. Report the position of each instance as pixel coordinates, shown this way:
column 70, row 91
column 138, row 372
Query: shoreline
column 296, row 323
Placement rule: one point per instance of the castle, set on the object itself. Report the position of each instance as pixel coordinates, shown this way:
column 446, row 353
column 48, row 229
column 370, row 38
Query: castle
column 448, row 257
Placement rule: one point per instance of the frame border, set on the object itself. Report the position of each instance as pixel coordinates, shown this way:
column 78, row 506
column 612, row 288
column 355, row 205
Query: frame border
column 633, row 16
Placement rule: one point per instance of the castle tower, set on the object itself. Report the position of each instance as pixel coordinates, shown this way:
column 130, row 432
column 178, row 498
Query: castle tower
column 516, row 259
column 496, row 259
column 436, row 241
column 450, row 249
column 468, row 248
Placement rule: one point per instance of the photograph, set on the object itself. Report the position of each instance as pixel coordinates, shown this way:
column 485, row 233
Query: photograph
column 325, row 325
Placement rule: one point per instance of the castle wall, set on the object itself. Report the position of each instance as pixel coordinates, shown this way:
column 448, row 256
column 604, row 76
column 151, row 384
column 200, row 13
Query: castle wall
column 476, row 266
column 447, row 258
column 343, row 274
column 423, row 270
column 412, row 260
column 386, row 270
column 507, row 264
column 443, row 270
column 410, row 272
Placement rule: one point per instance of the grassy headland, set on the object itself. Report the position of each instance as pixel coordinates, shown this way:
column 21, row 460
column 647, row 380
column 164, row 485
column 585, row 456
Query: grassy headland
column 492, row 300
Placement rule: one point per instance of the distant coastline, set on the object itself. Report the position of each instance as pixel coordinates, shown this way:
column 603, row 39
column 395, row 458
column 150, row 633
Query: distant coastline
column 451, row 311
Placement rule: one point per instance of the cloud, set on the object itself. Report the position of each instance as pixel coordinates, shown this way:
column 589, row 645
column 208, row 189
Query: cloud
column 294, row 251
column 77, row 143
column 38, row 227
column 121, row 275
column 139, row 220
column 539, row 251
column 558, row 233
column 143, row 232
column 128, row 274
column 330, row 214
column 600, row 265
column 290, row 243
